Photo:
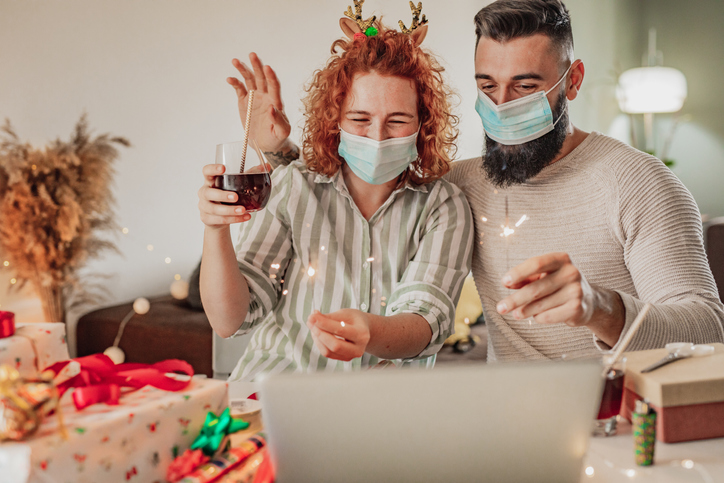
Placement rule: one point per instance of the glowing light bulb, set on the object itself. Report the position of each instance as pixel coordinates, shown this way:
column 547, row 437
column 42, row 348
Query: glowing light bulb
column 311, row 272
column 167, row 260
column 177, row 277
column 141, row 305
column 323, row 247
column 484, row 219
column 688, row 464
column 13, row 281
column 371, row 259
column 125, row 231
column 341, row 323
column 149, row 248
column 6, row 263
column 507, row 231
column 630, row 473
column 285, row 292
column 275, row 266
column 589, row 471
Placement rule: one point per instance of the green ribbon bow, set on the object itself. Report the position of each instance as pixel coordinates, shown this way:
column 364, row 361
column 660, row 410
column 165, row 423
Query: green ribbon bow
column 215, row 430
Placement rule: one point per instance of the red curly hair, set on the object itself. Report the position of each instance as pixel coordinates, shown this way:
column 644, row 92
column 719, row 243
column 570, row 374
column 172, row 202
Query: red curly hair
column 390, row 53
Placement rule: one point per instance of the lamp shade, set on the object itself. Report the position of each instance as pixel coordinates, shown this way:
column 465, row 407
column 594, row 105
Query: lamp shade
column 651, row 90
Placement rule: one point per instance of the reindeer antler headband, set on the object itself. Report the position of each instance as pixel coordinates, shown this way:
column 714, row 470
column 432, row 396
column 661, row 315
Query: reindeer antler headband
column 365, row 26
column 358, row 29
column 416, row 22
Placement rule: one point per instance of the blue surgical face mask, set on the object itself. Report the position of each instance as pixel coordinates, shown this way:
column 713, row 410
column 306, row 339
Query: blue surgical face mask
column 377, row 162
column 520, row 120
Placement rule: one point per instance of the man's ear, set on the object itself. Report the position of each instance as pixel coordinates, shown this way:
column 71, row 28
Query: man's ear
column 349, row 27
column 419, row 35
column 577, row 73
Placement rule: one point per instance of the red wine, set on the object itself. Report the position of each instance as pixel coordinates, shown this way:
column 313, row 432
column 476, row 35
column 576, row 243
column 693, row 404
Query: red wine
column 253, row 189
column 612, row 395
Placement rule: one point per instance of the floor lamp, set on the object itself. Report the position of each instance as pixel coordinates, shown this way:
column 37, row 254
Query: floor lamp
column 652, row 89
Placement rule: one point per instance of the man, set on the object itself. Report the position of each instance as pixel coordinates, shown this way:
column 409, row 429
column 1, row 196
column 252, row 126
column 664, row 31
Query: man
column 575, row 231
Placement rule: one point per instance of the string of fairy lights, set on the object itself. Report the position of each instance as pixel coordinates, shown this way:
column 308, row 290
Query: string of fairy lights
column 178, row 288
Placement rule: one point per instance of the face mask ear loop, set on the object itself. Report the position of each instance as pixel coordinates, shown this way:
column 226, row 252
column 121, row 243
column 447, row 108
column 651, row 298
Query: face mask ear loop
column 561, row 79
column 566, row 106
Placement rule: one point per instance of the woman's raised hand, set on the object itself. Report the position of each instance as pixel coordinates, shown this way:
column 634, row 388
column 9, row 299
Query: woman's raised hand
column 269, row 125
column 213, row 213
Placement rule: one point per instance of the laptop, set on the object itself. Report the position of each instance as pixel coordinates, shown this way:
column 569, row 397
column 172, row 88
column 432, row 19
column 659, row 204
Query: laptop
column 498, row 423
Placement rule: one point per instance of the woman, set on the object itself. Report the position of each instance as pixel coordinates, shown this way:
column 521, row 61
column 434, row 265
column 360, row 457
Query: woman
column 361, row 253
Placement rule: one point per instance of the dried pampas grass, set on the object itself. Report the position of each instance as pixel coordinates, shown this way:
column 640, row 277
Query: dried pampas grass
column 54, row 202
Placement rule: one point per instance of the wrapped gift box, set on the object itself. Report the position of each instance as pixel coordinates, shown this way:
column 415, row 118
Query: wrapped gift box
column 687, row 395
column 134, row 441
column 34, row 347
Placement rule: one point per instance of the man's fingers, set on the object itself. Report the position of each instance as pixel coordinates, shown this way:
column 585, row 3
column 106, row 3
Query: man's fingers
column 530, row 293
column 275, row 89
column 543, row 264
column 542, row 305
column 525, row 282
column 258, row 72
column 562, row 314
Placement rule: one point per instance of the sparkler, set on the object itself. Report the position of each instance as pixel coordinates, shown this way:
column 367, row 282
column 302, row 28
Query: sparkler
column 506, row 233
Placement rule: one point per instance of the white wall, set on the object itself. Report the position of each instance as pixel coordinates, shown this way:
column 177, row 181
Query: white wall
column 154, row 71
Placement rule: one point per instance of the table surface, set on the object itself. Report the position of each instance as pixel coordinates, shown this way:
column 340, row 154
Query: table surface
column 611, row 459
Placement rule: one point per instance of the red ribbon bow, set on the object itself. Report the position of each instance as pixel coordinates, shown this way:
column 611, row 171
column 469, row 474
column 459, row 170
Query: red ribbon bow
column 100, row 380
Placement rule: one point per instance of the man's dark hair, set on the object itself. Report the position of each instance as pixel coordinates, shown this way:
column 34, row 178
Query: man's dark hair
column 508, row 19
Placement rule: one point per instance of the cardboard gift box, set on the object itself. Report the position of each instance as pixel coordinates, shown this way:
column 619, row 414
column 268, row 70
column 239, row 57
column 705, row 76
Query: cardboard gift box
column 687, row 395
column 133, row 441
column 34, row 347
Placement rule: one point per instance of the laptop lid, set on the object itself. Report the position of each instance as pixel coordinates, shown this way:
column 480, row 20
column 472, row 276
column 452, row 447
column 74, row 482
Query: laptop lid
column 502, row 422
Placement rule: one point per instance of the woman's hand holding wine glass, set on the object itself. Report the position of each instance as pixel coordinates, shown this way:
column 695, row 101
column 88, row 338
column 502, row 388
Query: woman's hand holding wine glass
column 214, row 214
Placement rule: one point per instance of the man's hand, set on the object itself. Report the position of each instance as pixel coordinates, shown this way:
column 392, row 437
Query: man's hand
column 270, row 126
column 341, row 335
column 550, row 289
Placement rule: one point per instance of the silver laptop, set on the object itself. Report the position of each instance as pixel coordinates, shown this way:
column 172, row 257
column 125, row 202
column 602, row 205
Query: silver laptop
column 502, row 422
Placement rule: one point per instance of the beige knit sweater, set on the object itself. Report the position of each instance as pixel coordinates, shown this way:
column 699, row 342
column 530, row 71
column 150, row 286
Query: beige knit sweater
column 627, row 223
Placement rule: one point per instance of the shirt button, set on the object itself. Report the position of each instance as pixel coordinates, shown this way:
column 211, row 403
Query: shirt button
column 363, row 306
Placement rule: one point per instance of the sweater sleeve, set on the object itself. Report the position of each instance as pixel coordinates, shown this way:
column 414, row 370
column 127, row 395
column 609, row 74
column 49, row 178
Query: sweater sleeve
column 661, row 231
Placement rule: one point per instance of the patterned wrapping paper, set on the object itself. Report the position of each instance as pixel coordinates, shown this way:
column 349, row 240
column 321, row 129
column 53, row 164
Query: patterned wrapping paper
column 134, row 441
column 34, row 347
column 644, row 436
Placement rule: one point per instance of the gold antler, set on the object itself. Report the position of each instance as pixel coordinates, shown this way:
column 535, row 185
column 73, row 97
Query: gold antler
column 416, row 22
column 357, row 16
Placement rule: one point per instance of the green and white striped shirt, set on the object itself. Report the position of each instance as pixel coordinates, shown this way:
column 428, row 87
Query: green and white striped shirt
column 311, row 249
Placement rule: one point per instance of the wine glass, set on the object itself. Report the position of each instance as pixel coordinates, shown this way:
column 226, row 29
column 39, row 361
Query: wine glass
column 611, row 397
column 250, row 179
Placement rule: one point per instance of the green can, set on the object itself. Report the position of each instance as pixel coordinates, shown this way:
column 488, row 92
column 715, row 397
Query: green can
column 643, row 420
